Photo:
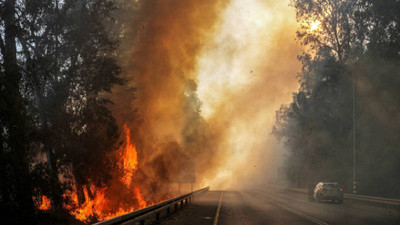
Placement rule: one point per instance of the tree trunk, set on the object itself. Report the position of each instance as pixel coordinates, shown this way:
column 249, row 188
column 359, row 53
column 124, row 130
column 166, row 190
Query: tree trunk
column 4, row 184
column 56, row 192
column 90, row 194
column 79, row 188
column 15, row 118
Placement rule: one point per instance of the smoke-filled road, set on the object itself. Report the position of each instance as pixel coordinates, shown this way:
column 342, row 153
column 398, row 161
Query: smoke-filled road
column 267, row 207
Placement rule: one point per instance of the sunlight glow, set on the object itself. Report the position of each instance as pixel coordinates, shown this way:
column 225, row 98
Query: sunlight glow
column 315, row 25
column 226, row 64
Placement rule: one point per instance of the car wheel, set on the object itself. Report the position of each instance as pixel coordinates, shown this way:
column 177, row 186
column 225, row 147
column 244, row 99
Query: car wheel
column 319, row 197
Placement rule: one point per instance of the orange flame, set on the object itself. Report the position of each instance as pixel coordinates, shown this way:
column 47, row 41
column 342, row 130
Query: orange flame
column 139, row 197
column 46, row 203
column 99, row 206
column 129, row 158
column 96, row 207
column 102, row 206
column 90, row 207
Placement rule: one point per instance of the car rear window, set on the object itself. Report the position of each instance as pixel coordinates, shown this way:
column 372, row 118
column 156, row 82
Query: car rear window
column 330, row 185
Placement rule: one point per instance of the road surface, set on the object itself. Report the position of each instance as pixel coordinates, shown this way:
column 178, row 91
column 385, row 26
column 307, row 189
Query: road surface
column 275, row 207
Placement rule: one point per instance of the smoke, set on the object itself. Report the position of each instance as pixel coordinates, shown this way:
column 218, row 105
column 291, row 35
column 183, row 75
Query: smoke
column 204, row 79
column 245, row 74
column 159, row 102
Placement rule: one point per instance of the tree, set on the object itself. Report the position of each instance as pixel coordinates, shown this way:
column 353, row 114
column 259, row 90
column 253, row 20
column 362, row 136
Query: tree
column 335, row 35
column 15, row 128
column 58, row 60
column 356, row 39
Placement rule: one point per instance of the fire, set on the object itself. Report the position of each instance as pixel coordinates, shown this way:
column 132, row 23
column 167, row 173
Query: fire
column 91, row 207
column 139, row 197
column 113, row 199
column 46, row 203
column 99, row 206
column 129, row 158
column 96, row 207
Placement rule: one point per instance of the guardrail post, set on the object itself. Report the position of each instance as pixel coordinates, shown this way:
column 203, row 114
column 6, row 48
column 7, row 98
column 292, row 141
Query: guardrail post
column 142, row 222
column 168, row 212
column 176, row 207
column 158, row 218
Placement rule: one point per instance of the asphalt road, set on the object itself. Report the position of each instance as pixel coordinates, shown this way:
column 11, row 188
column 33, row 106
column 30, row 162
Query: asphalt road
column 275, row 207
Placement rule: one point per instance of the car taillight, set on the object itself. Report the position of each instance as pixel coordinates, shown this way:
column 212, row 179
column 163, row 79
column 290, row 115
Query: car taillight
column 341, row 189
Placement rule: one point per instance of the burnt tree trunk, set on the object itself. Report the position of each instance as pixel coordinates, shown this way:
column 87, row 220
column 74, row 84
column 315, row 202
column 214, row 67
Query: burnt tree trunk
column 90, row 194
column 56, row 191
column 79, row 188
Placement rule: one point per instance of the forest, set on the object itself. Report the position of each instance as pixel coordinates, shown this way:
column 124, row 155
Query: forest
column 348, row 100
column 69, row 154
column 62, row 137
column 57, row 62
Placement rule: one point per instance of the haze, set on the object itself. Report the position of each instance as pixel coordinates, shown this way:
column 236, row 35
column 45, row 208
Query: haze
column 245, row 72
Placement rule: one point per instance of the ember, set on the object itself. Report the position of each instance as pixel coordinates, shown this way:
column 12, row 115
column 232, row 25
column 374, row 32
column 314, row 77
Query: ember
column 46, row 203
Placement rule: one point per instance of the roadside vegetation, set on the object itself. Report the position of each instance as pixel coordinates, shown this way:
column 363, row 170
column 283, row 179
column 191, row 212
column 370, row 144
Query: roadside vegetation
column 347, row 42
column 57, row 62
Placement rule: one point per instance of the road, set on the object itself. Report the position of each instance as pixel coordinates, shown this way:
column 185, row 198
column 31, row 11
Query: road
column 275, row 207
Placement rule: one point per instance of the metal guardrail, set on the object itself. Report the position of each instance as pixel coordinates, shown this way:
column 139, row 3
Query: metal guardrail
column 153, row 213
column 390, row 202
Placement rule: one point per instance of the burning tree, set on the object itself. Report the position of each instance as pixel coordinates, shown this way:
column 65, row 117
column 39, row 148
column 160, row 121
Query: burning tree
column 59, row 61
column 60, row 145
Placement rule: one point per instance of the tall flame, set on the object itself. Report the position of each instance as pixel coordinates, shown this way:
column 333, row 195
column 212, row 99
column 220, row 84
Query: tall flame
column 139, row 197
column 91, row 207
column 98, row 206
column 129, row 158
column 103, row 204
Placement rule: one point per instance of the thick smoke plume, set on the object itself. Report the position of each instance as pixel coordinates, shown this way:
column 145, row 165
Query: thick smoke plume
column 159, row 102
column 204, row 79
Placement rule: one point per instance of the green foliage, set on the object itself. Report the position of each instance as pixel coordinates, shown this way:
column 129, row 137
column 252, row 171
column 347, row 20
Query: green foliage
column 57, row 62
